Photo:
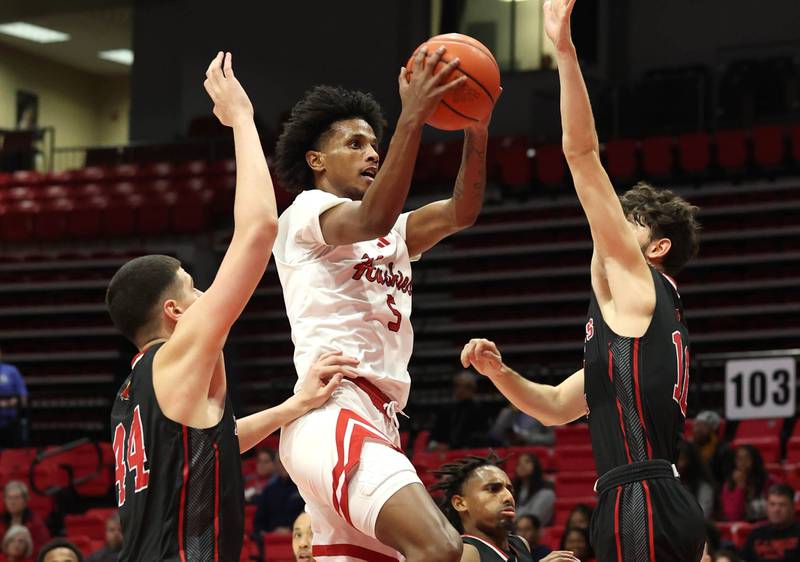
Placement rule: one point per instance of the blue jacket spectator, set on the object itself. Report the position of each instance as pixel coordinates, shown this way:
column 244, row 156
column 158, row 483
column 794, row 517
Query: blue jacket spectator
column 13, row 404
column 278, row 505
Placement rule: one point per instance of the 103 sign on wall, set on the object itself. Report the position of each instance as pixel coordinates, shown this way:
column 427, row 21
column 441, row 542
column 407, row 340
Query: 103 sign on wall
column 760, row 388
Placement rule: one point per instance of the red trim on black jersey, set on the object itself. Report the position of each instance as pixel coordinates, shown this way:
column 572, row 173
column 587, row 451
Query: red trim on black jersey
column 136, row 358
column 638, row 392
column 499, row 552
column 351, row 550
column 649, row 521
column 616, row 525
column 216, row 502
column 619, row 406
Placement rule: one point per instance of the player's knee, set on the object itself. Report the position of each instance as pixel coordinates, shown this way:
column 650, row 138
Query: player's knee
column 446, row 547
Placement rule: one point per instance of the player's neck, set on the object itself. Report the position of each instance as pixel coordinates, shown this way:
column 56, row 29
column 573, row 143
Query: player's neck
column 146, row 345
column 499, row 538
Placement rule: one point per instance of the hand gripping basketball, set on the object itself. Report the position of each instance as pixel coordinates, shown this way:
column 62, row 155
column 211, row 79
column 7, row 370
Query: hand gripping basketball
column 231, row 104
column 422, row 88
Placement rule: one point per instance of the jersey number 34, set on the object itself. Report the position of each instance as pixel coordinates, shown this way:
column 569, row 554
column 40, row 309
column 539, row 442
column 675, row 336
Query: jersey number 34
column 130, row 455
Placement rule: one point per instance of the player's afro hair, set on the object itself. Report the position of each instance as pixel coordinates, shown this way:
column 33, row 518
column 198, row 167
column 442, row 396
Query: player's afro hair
column 451, row 481
column 311, row 117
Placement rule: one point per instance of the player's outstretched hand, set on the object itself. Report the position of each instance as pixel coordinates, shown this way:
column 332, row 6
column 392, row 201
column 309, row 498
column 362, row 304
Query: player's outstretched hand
column 422, row 88
column 484, row 356
column 231, row 104
column 556, row 23
column 324, row 377
column 560, row 556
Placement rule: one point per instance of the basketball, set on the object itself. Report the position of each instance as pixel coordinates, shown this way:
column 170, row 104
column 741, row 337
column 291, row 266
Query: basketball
column 474, row 99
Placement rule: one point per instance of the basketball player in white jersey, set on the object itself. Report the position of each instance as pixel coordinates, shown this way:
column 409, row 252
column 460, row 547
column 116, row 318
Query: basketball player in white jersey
column 344, row 253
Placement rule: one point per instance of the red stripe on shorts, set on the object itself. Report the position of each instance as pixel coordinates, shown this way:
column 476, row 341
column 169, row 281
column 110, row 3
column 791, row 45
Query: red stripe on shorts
column 352, row 550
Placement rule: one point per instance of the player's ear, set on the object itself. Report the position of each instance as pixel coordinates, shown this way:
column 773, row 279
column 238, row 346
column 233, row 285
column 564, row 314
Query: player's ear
column 658, row 249
column 315, row 160
column 172, row 309
column 458, row 503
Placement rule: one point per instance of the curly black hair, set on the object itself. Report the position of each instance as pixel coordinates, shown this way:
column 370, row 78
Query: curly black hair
column 312, row 117
column 668, row 216
column 451, row 481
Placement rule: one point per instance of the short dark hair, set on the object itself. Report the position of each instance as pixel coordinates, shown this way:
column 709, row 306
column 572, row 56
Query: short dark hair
column 136, row 290
column 59, row 543
column 781, row 490
column 668, row 216
column 451, row 481
column 311, row 118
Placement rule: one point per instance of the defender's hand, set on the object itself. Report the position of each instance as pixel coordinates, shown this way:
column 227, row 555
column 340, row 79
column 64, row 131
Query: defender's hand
column 484, row 356
column 560, row 556
column 324, row 377
column 231, row 104
column 422, row 88
column 556, row 23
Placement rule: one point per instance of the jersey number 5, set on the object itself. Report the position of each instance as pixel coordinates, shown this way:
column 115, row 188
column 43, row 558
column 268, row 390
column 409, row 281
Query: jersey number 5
column 136, row 456
column 681, row 391
column 393, row 326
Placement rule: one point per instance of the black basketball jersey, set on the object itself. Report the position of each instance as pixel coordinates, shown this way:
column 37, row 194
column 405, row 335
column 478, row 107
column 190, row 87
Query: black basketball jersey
column 636, row 387
column 180, row 490
column 517, row 549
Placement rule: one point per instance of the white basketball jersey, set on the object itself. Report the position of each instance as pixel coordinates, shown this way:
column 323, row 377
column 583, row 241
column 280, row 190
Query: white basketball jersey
column 354, row 298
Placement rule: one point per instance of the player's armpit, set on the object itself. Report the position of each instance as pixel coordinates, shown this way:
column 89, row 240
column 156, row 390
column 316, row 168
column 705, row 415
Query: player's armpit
column 470, row 554
column 430, row 224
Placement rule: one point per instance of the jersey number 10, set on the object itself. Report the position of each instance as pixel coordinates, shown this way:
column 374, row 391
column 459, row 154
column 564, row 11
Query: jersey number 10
column 681, row 392
column 136, row 456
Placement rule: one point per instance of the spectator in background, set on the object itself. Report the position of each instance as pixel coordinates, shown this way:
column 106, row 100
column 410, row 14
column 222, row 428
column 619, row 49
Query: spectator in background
column 278, row 505
column 726, row 556
column 15, row 498
column 535, row 496
column 462, row 424
column 715, row 454
column 742, row 495
column 576, row 540
column 695, row 476
column 779, row 539
column 514, row 427
column 302, row 537
column 13, row 406
column 528, row 527
column 60, row 550
column 17, row 545
column 579, row 517
column 265, row 471
column 112, row 548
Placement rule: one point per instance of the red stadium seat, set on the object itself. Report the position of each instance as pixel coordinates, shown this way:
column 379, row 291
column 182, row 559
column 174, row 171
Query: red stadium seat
column 550, row 165
column 657, row 156
column 119, row 217
column 16, row 221
column 54, row 192
column 93, row 174
column 86, row 220
column 192, row 168
column 153, row 214
column 735, row 531
column 759, row 428
column 621, row 159
column 277, row 547
column 731, row 149
column 694, row 154
column 20, row 193
column 51, row 220
column 126, row 172
column 509, row 160
column 189, row 211
column 17, row 458
column 420, row 443
column 575, row 434
column 574, row 458
column 794, row 136
column 575, row 484
column 26, row 178
column 551, row 536
column 83, row 543
column 160, row 170
column 768, row 147
column 543, row 454
column 85, row 525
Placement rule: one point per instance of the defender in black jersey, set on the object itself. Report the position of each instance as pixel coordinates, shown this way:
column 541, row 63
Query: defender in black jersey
column 635, row 379
column 478, row 500
column 176, row 441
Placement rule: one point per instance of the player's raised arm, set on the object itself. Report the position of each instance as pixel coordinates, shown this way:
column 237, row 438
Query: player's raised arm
column 550, row 405
column 377, row 212
column 616, row 248
column 428, row 225
column 185, row 363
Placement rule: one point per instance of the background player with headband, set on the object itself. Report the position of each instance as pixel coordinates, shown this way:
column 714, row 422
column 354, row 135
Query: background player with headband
column 636, row 355
column 343, row 254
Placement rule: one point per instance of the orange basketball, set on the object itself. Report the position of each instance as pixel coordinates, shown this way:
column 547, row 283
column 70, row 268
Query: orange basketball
column 474, row 99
